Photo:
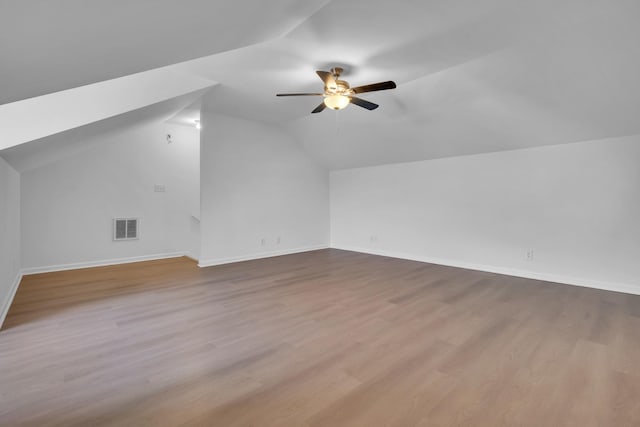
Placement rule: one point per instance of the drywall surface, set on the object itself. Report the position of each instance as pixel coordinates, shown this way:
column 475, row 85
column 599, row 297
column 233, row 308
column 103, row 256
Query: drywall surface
column 68, row 205
column 9, row 235
column 567, row 213
column 262, row 195
column 31, row 119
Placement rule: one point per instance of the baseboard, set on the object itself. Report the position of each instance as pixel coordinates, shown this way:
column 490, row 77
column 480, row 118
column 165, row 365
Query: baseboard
column 102, row 263
column 260, row 255
column 567, row 280
column 7, row 302
column 192, row 256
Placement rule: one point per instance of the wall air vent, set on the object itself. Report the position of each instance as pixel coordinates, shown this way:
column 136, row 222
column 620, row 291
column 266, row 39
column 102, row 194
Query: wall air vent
column 125, row 229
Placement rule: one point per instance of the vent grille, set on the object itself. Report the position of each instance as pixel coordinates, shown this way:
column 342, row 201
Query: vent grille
column 125, row 228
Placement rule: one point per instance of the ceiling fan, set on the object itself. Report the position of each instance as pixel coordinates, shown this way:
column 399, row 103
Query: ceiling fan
column 338, row 94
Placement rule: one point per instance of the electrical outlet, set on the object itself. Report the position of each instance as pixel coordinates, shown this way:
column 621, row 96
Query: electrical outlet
column 373, row 239
column 278, row 240
column 529, row 256
column 263, row 241
column 159, row 188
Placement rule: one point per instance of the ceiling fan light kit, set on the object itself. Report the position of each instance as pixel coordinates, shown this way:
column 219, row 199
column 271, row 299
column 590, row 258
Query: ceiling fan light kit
column 338, row 94
column 336, row 102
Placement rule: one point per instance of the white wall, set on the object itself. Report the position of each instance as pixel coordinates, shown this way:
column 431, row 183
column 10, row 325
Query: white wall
column 257, row 183
column 9, row 235
column 68, row 205
column 576, row 205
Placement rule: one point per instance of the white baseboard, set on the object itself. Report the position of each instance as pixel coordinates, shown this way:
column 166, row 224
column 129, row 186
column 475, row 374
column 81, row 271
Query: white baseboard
column 546, row 277
column 260, row 255
column 7, row 302
column 101, row 263
column 192, row 256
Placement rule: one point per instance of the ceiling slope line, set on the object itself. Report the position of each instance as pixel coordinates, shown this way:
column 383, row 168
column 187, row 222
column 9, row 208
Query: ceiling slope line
column 45, row 115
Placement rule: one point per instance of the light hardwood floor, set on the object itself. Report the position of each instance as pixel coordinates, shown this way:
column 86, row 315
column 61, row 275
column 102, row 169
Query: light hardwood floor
column 324, row 338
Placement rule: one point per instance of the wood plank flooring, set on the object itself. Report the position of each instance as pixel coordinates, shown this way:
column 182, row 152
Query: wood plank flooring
column 324, row 338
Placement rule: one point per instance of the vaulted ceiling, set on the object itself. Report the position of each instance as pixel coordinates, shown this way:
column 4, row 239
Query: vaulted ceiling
column 473, row 75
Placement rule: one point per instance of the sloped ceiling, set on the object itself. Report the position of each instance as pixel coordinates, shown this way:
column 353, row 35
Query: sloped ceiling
column 48, row 46
column 41, row 151
column 39, row 117
column 473, row 75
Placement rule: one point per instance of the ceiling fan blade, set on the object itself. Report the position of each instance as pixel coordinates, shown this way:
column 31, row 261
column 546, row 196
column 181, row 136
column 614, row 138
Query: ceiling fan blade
column 319, row 108
column 362, row 103
column 328, row 79
column 299, row 94
column 374, row 87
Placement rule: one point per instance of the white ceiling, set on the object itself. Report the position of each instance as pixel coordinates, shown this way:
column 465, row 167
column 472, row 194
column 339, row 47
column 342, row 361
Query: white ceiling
column 47, row 46
column 35, row 118
column 473, row 75
column 42, row 151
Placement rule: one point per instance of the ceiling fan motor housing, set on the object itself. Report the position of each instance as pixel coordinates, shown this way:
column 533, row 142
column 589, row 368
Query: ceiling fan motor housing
column 341, row 87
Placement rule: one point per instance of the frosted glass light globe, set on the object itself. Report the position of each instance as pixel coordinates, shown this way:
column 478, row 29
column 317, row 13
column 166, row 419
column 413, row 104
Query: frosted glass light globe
column 336, row 102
